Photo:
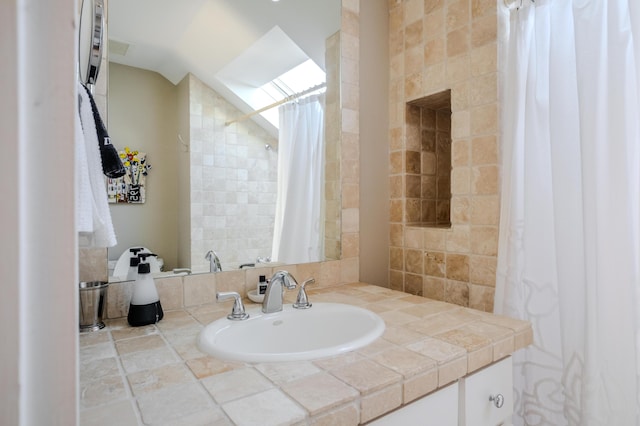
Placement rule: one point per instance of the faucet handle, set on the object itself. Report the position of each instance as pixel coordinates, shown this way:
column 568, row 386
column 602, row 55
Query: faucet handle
column 237, row 313
column 302, row 302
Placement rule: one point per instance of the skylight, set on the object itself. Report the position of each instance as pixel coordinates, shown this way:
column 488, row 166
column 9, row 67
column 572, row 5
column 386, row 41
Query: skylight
column 296, row 80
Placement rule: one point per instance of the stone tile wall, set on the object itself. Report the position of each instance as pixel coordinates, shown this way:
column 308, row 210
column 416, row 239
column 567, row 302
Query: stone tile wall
column 436, row 45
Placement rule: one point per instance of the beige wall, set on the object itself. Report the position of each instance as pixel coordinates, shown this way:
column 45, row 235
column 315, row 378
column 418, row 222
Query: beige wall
column 374, row 147
column 183, row 158
column 436, row 45
column 143, row 116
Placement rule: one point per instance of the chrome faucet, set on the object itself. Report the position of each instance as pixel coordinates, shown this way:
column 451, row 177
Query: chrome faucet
column 302, row 301
column 275, row 291
column 214, row 261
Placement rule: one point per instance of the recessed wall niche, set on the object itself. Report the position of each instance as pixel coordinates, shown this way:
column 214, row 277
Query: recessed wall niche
column 428, row 161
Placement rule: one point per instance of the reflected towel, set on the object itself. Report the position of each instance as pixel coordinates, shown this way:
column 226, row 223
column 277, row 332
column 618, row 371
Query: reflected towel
column 112, row 165
column 93, row 218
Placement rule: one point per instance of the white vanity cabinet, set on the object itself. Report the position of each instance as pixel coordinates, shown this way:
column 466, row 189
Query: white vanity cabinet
column 486, row 396
column 483, row 398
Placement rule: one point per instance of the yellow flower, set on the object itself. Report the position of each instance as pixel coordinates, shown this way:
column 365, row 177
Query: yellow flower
column 127, row 164
column 135, row 159
column 122, row 155
column 126, row 149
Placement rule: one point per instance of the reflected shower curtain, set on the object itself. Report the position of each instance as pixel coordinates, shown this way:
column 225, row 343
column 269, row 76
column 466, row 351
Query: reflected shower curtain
column 299, row 219
column 569, row 239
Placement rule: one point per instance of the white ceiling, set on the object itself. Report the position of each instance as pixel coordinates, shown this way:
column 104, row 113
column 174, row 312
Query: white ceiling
column 221, row 40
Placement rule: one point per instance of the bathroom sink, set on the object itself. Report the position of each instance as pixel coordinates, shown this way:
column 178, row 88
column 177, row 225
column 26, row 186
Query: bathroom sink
column 324, row 330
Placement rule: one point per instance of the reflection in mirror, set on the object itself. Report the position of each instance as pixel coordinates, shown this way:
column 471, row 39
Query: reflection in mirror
column 180, row 90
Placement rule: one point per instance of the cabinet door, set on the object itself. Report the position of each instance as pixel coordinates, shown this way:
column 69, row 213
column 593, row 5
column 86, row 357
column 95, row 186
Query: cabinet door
column 437, row 409
column 482, row 392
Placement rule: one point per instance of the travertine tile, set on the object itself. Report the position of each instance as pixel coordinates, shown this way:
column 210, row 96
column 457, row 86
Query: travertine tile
column 170, row 292
column 119, row 413
column 438, row 350
column 98, row 351
column 466, row 338
column 127, row 332
column 178, row 321
column 503, row 348
column 224, row 386
column 420, row 385
column 434, row 239
column 459, row 239
column 268, row 407
column 346, row 415
column 285, row 372
column 147, row 359
column 401, row 335
column 431, row 307
column 443, row 322
column 403, row 361
column 144, row 382
column 137, row 344
column 413, row 11
column 434, row 51
column 484, row 58
column 104, row 390
column 457, row 267
column 484, row 30
column 457, row 14
column 451, row 371
column 171, row 405
column 366, row 376
column 94, row 338
column 378, row 403
column 484, row 240
column 413, row 261
column 96, row 369
column 479, row 358
column 206, row 366
column 199, row 289
column 456, row 292
column 433, row 288
column 320, row 392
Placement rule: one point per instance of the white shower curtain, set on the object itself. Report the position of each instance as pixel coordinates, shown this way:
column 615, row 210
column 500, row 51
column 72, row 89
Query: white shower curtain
column 569, row 240
column 299, row 219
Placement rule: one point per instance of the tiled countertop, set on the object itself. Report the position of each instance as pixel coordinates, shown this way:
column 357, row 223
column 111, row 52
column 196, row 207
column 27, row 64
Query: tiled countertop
column 156, row 375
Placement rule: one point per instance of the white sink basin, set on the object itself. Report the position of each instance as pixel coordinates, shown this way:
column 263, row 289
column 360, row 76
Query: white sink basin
column 325, row 329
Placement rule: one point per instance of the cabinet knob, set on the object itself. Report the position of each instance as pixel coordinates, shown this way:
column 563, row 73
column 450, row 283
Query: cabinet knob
column 498, row 400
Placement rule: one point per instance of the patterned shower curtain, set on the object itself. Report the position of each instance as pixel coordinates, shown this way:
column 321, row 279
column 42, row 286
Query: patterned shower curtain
column 569, row 240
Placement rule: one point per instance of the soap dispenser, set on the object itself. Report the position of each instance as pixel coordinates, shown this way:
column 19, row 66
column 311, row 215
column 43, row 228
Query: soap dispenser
column 145, row 307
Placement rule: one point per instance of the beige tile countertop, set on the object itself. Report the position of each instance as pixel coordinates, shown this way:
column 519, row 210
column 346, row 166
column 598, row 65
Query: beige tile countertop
column 156, row 375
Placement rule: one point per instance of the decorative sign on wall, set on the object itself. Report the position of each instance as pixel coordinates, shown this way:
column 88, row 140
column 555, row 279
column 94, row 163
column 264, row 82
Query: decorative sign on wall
column 129, row 188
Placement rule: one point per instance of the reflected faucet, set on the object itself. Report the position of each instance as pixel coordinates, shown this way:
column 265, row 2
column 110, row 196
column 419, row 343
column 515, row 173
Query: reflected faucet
column 275, row 291
column 214, row 261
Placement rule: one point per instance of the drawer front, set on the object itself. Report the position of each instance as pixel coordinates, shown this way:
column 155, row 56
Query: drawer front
column 437, row 409
column 476, row 390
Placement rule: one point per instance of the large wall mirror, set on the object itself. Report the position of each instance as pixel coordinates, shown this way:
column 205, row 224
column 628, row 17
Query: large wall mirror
column 185, row 80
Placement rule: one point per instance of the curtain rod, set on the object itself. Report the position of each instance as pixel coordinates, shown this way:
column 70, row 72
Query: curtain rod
column 275, row 104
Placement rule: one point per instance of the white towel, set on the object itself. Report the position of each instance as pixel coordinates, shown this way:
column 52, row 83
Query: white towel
column 93, row 218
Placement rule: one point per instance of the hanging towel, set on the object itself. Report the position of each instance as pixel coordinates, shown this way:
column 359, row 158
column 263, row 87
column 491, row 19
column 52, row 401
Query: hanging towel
column 93, row 217
column 112, row 165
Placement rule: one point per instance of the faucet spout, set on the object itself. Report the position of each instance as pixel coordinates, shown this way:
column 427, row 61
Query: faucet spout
column 214, row 261
column 275, row 291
